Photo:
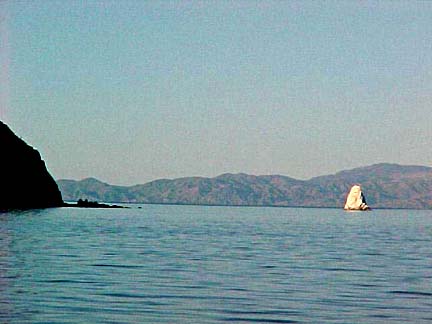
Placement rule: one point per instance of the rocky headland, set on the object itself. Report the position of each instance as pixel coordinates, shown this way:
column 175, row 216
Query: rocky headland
column 25, row 180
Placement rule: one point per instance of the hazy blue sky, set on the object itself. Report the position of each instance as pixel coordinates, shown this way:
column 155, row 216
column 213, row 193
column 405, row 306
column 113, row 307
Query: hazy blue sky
column 132, row 91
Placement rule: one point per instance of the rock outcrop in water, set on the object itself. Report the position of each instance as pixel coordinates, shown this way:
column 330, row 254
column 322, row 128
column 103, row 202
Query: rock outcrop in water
column 25, row 180
column 356, row 200
column 92, row 204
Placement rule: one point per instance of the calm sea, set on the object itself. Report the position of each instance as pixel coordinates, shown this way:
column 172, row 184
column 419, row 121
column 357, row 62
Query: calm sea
column 194, row 264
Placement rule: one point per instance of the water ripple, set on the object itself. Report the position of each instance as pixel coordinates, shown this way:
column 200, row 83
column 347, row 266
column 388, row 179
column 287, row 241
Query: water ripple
column 257, row 320
column 413, row 294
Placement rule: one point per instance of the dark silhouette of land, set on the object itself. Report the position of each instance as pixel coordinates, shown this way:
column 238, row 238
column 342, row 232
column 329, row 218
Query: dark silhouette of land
column 25, row 180
column 91, row 204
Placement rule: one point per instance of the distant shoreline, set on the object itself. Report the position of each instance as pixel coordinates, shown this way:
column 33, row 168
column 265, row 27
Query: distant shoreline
column 245, row 206
column 385, row 186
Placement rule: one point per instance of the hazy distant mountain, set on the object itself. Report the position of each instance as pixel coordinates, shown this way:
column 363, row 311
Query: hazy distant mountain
column 384, row 185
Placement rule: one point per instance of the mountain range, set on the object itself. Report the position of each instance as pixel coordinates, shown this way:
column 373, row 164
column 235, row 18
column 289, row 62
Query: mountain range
column 385, row 185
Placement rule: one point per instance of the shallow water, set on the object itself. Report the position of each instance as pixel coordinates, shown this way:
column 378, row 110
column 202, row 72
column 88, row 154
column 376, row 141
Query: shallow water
column 194, row 264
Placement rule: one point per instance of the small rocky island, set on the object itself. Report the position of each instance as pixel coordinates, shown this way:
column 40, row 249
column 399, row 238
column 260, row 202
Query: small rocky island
column 25, row 180
column 92, row 204
column 356, row 200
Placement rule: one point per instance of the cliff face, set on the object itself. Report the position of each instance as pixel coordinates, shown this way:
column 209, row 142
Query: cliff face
column 25, row 181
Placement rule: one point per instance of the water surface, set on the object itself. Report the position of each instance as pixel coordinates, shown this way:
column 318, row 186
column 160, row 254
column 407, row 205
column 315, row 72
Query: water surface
column 194, row 264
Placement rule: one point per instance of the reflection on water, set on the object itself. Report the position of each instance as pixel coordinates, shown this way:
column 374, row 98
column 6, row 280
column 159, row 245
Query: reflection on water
column 190, row 264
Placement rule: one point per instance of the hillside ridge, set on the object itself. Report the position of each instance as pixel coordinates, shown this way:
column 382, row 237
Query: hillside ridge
column 386, row 185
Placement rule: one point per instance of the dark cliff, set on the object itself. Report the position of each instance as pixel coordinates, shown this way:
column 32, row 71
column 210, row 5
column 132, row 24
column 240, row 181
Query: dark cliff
column 25, row 181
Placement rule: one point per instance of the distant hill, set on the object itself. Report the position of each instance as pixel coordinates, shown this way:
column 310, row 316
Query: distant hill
column 385, row 186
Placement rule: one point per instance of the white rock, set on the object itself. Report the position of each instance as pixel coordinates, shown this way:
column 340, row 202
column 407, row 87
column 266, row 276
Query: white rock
column 356, row 200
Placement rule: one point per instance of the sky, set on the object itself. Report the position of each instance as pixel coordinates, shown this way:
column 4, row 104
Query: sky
column 133, row 91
